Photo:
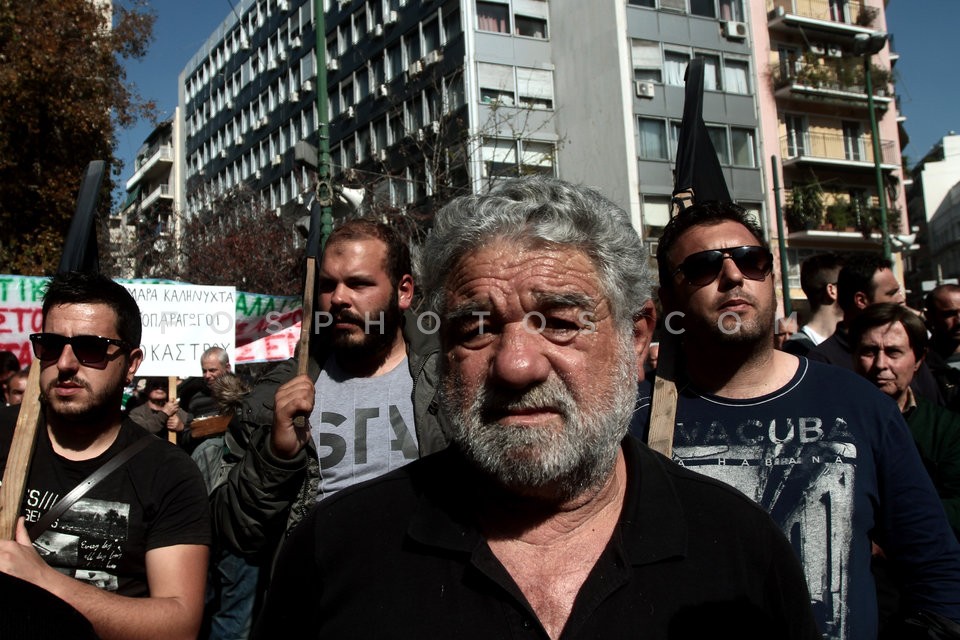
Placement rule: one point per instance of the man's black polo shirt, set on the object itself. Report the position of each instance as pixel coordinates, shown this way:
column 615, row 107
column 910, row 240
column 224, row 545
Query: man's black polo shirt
column 400, row 557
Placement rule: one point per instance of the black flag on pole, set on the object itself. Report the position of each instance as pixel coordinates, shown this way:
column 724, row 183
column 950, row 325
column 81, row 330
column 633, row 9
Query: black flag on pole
column 698, row 175
column 80, row 248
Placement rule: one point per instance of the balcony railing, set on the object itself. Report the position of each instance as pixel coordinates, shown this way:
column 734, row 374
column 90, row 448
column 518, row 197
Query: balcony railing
column 835, row 148
column 842, row 76
column 854, row 12
column 148, row 160
column 163, row 191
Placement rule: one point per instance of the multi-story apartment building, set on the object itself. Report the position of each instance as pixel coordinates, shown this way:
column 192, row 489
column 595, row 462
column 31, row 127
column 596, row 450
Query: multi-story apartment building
column 148, row 217
column 816, row 122
column 431, row 99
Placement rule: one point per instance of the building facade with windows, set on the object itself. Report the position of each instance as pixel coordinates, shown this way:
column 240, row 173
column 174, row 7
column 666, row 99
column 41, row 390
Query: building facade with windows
column 933, row 201
column 148, row 217
column 816, row 124
column 429, row 100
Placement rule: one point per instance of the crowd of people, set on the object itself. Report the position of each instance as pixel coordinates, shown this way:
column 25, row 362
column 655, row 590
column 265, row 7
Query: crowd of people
column 465, row 453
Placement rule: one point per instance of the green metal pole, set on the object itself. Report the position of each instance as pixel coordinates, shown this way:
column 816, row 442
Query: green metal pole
column 324, row 184
column 781, row 241
column 875, row 133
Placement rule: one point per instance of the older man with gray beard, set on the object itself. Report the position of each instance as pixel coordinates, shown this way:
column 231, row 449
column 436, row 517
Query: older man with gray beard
column 543, row 519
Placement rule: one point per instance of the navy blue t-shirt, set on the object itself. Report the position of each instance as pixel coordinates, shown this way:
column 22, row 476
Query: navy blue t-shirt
column 830, row 457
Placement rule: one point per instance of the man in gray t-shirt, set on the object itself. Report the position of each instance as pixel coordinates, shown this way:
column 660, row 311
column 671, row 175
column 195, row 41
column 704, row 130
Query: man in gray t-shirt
column 362, row 427
column 369, row 399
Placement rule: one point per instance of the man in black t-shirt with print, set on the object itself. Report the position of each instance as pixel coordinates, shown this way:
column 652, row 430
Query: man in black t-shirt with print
column 131, row 554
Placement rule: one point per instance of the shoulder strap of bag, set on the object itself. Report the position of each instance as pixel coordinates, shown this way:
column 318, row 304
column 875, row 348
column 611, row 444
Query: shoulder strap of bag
column 92, row 480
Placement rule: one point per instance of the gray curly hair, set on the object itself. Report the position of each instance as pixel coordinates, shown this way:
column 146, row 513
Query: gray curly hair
column 548, row 211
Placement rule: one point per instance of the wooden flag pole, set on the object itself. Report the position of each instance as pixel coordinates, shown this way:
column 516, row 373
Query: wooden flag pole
column 20, row 454
column 171, row 396
column 306, row 328
column 79, row 254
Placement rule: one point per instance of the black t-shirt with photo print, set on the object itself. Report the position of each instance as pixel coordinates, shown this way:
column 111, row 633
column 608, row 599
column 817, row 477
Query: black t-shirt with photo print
column 156, row 499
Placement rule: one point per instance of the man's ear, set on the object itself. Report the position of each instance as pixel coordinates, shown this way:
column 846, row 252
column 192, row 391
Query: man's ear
column 643, row 325
column 405, row 292
column 133, row 363
column 861, row 300
column 832, row 291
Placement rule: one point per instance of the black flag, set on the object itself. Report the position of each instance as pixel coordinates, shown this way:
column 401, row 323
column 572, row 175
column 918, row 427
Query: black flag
column 80, row 248
column 698, row 176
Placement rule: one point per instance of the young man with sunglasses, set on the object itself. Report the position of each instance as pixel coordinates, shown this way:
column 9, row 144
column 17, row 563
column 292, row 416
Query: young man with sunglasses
column 822, row 450
column 131, row 553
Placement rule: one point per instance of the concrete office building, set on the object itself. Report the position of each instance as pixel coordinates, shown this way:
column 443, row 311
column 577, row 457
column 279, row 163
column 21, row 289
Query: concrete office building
column 815, row 120
column 432, row 99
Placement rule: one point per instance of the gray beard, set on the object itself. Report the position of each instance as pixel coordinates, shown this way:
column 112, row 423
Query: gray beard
column 540, row 462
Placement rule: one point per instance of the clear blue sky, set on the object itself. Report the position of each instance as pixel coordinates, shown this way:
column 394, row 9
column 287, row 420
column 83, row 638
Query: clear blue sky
column 181, row 29
column 928, row 72
column 925, row 36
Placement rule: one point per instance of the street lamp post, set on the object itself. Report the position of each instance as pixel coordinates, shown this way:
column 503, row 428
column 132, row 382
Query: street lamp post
column 867, row 45
column 324, row 184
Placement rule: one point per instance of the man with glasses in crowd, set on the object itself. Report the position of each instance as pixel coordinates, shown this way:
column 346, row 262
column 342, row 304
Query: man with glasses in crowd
column 821, row 449
column 131, row 553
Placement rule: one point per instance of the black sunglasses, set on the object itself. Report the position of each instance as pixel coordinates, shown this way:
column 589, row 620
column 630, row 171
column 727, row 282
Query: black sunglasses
column 703, row 267
column 88, row 349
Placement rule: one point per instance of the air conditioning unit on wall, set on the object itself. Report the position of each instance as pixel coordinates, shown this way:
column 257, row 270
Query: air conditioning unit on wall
column 645, row 89
column 735, row 30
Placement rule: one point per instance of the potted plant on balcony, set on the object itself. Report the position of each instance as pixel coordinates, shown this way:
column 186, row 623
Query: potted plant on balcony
column 805, row 210
column 841, row 215
column 869, row 221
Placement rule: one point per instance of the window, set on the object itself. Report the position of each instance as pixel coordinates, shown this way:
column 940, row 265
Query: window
column 394, row 61
column 656, row 212
column 852, row 142
column 493, row 17
column 535, row 88
column 703, row 8
column 455, row 94
column 675, row 65
column 735, row 74
column 742, row 147
column 647, row 60
column 711, row 72
column 536, row 158
column 839, row 11
column 363, row 82
column 380, row 133
column 796, row 135
column 731, row 10
column 499, row 157
column 451, row 21
column 496, row 84
column 431, row 35
column 718, row 136
column 360, row 24
column 411, row 42
column 653, row 143
column 650, row 4
column 395, row 125
column 531, row 27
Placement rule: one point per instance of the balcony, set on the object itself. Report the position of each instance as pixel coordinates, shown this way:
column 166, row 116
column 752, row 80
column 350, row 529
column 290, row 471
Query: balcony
column 163, row 191
column 834, row 80
column 835, row 17
column 834, row 150
column 158, row 157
